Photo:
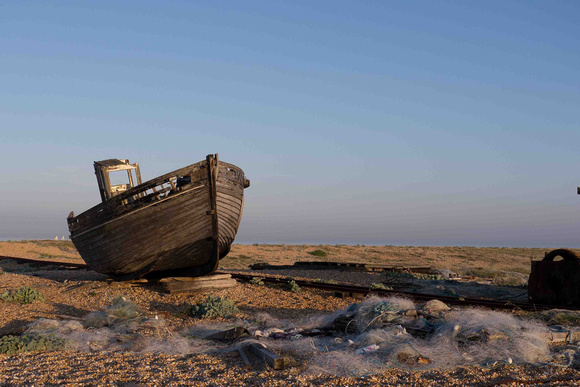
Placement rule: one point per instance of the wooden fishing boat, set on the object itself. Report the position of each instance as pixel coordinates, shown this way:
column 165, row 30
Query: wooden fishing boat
column 178, row 224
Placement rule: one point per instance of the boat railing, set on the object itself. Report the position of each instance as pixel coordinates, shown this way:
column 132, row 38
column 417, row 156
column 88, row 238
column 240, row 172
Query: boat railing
column 143, row 195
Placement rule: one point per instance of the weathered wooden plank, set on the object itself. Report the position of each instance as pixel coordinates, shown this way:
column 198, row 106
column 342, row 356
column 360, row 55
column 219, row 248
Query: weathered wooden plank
column 122, row 228
column 247, row 362
column 229, row 203
column 227, row 217
column 194, row 286
column 170, row 251
column 213, row 277
column 273, row 360
column 229, row 334
column 194, row 194
column 147, row 232
column 152, row 237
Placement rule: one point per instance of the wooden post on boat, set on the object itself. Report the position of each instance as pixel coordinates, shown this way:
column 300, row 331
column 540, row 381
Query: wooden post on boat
column 212, row 167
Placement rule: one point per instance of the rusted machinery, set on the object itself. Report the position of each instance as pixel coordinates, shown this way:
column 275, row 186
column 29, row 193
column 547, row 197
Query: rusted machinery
column 555, row 280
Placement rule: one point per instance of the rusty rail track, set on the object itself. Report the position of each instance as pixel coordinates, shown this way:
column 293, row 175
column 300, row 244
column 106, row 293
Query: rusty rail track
column 418, row 297
column 345, row 288
column 38, row 262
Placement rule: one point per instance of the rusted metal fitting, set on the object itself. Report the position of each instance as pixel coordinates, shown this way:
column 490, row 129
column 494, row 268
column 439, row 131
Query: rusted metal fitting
column 556, row 281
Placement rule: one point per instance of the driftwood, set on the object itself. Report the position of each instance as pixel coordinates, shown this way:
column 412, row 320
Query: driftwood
column 247, row 362
column 229, row 335
column 272, row 359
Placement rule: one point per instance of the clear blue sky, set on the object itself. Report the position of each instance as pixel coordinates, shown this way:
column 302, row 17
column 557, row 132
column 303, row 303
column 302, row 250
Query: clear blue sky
column 372, row 122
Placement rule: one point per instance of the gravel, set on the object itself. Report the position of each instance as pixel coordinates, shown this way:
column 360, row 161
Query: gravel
column 76, row 293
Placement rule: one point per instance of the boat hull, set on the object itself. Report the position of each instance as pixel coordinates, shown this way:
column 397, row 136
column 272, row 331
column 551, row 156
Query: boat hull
column 161, row 228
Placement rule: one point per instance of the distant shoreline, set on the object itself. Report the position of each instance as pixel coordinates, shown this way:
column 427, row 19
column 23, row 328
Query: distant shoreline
column 310, row 243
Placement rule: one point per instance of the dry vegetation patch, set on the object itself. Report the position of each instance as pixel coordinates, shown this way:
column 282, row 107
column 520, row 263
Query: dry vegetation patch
column 41, row 249
column 489, row 262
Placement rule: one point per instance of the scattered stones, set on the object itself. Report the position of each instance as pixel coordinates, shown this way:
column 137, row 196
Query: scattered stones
column 96, row 319
column 44, row 325
column 434, row 306
column 445, row 273
column 106, row 366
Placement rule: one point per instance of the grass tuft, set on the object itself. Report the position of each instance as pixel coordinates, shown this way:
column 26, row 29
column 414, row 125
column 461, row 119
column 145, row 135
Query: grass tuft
column 379, row 286
column 123, row 308
column 11, row 345
column 212, row 307
column 559, row 317
column 293, row 286
column 256, row 281
column 22, row 295
column 323, row 281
